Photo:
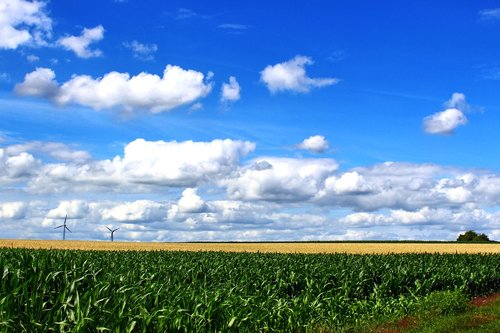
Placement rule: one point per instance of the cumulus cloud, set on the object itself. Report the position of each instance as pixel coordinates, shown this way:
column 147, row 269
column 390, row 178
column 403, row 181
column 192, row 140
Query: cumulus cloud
column 191, row 202
column 23, row 22
column 15, row 166
column 445, row 122
column 280, row 179
column 80, row 45
column 142, row 51
column 267, row 197
column 408, row 186
column 230, row 92
column 315, row 143
column 55, row 150
column 12, row 210
column 348, row 183
column 177, row 87
column 145, row 165
column 291, row 75
column 39, row 83
column 462, row 219
column 74, row 209
column 135, row 211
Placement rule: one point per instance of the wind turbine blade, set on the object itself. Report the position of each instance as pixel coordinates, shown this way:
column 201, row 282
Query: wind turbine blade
column 116, row 229
column 59, row 227
column 68, row 229
column 65, row 219
column 109, row 229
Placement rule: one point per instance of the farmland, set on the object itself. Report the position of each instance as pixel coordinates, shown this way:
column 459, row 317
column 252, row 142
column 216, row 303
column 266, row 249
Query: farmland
column 184, row 291
column 269, row 247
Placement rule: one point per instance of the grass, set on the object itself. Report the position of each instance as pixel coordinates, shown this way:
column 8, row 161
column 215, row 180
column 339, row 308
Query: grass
column 485, row 319
column 447, row 312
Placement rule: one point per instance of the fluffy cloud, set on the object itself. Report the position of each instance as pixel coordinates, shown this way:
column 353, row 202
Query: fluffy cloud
column 268, row 198
column 316, row 144
column 145, row 165
column 12, row 210
column 39, row 83
column 280, row 179
column 230, row 92
column 457, row 219
column 23, row 22
column 142, row 51
column 445, row 122
column 144, row 91
column 191, row 202
column 135, row 211
column 348, row 183
column 55, row 150
column 291, row 75
column 74, row 209
column 81, row 44
column 16, row 166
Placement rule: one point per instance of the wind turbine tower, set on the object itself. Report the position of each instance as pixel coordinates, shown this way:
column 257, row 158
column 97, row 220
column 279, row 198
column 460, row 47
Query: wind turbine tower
column 64, row 227
column 112, row 232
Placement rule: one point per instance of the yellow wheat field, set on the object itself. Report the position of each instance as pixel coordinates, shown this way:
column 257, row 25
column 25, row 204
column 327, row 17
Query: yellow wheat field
column 356, row 248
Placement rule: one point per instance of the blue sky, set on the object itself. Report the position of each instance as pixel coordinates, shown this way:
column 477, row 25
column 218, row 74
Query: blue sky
column 190, row 120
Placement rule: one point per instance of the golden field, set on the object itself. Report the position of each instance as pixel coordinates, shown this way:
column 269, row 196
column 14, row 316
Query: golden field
column 355, row 248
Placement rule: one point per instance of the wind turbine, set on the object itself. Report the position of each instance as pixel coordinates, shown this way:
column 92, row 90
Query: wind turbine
column 64, row 227
column 112, row 232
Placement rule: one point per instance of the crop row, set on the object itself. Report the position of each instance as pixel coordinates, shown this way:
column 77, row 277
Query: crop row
column 83, row 291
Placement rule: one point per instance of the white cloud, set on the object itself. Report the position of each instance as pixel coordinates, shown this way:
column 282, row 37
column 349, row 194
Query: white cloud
column 16, row 166
column 316, row 143
column 490, row 14
column 271, row 198
column 74, row 209
column 56, row 150
column 32, row 58
column 445, row 122
column 230, row 92
column 81, row 44
column 191, row 202
column 142, row 51
column 291, row 75
column 463, row 219
column 145, row 165
column 12, row 210
column 457, row 101
column 39, row 83
column 349, row 183
column 136, row 211
column 280, row 179
column 177, row 87
column 23, row 22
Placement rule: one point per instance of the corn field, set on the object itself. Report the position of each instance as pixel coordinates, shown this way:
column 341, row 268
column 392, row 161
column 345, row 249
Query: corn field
column 98, row 291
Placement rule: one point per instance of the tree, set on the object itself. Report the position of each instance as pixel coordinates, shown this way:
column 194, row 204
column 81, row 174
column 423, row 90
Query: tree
column 472, row 236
